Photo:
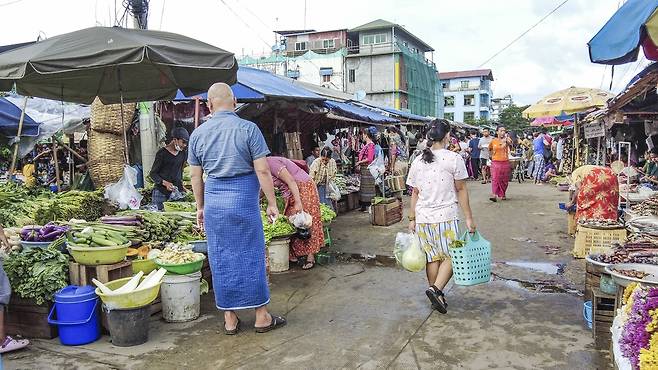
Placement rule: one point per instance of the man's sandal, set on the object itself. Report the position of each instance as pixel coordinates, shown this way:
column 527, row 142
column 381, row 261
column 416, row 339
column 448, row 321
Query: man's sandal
column 277, row 322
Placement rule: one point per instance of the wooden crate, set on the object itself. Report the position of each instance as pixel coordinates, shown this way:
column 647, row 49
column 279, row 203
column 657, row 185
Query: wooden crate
column 353, row 201
column 27, row 319
column 293, row 140
column 386, row 213
column 592, row 279
column 81, row 275
column 603, row 313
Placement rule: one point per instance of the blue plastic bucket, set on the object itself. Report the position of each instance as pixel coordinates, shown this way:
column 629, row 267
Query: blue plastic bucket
column 587, row 313
column 76, row 308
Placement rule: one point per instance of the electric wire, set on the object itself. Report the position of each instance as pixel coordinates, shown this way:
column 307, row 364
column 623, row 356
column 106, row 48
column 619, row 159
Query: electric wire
column 245, row 23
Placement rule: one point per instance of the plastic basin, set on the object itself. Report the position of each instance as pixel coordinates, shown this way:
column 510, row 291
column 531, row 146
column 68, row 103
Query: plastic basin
column 30, row 245
column 99, row 255
column 183, row 268
column 200, row 246
column 135, row 299
column 146, row 266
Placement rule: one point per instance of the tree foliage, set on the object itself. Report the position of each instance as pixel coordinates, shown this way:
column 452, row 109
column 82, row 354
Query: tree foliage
column 512, row 118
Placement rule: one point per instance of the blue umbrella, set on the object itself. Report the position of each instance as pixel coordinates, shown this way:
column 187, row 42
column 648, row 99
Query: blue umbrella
column 10, row 115
column 619, row 41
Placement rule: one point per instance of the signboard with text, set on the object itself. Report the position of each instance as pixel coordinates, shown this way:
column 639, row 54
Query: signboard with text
column 594, row 130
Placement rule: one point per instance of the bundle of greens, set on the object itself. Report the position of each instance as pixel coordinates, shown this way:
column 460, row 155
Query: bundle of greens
column 37, row 273
column 327, row 214
column 281, row 227
column 17, row 204
column 71, row 204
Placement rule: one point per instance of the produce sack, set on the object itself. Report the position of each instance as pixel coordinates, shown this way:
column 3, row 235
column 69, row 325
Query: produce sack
column 123, row 192
column 333, row 192
column 409, row 253
column 301, row 220
column 377, row 169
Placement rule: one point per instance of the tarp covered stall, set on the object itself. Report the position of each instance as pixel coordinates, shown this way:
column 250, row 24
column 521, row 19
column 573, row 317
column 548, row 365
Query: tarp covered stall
column 346, row 111
column 10, row 115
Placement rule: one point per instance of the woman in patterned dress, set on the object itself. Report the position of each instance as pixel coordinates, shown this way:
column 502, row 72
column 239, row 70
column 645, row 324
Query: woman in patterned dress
column 597, row 193
column 301, row 194
column 438, row 179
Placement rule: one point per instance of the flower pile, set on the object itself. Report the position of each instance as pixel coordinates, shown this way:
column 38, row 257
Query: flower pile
column 639, row 340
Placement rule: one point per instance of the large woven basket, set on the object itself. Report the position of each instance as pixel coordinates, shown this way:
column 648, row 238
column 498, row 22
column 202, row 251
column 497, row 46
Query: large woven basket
column 107, row 118
column 105, row 158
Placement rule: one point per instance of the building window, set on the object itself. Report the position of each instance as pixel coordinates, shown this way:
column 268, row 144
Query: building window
column 375, row 39
column 445, row 85
column 326, row 78
column 351, row 75
column 449, row 101
column 469, row 100
column 328, row 44
column 449, row 116
column 464, row 84
column 300, row 46
column 469, row 116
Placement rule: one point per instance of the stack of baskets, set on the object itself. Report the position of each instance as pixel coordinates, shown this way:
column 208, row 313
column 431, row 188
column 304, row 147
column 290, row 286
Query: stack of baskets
column 106, row 152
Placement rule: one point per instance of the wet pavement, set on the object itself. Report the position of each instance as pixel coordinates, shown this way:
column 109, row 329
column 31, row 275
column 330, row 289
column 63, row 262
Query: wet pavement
column 363, row 312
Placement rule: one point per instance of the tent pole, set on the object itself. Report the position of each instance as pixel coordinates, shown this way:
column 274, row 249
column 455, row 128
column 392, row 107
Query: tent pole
column 197, row 107
column 56, row 163
column 18, row 138
column 70, row 150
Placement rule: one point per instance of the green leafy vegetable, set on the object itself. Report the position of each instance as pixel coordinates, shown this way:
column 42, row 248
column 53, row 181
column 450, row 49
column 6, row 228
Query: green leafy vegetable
column 327, row 214
column 37, row 273
column 279, row 229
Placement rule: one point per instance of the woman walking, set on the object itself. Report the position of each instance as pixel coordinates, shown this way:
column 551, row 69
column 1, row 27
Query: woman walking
column 301, row 194
column 366, row 157
column 439, row 190
column 323, row 171
column 500, row 166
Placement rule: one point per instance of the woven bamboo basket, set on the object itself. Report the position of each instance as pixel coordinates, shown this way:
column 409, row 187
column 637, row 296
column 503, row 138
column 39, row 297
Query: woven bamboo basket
column 105, row 158
column 107, row 118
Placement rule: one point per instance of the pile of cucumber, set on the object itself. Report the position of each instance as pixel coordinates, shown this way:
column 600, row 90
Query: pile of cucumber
column 96, row 236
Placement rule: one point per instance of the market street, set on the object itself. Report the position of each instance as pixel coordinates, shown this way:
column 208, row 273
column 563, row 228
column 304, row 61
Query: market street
column 371, row 314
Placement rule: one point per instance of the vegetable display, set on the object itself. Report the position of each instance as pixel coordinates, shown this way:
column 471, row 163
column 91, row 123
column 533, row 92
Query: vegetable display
column 17, row 204
column 151, row 280
column 157, row 226
column 13, row 237
column 101, row 235
column 281, row 227
column 178, row 254
column 74, row 203
column 37, row 273
column 327, row 214
column 48, row 233
column 180, row 206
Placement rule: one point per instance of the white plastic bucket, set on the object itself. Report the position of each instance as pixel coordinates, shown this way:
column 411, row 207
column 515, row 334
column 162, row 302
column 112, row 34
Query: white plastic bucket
column 279, row 251
column 181, row 297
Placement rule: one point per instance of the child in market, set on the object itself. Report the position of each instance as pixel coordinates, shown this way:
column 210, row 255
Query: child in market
column 7, row 343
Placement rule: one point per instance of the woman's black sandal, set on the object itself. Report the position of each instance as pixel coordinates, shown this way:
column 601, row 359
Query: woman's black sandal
column 232, row 331
column 434, row 294
column 277, row 322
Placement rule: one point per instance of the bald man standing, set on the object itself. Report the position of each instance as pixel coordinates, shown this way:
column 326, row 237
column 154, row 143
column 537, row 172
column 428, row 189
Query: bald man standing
column 231, row 152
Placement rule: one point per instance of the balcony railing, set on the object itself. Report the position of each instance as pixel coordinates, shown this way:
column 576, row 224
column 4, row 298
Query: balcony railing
column 384, row 48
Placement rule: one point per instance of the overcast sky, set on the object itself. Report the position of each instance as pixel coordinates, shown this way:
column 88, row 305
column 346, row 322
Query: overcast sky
column 465, row 33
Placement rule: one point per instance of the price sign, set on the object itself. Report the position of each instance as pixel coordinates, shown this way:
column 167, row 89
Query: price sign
column 594, row 129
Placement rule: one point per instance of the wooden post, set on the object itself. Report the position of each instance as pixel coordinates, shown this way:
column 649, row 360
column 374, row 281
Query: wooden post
column 18, row 138
column 197, row 107
column 56, row 163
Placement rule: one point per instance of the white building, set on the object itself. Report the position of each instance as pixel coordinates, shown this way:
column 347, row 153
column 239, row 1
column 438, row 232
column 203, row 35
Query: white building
column 498, row 105
column 467, row 95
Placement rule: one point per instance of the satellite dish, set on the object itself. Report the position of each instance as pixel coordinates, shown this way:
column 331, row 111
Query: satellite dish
column 359, row 95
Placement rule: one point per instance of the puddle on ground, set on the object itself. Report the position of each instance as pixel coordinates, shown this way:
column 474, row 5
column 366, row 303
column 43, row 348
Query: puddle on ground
column 545, row 267
column 541, row 287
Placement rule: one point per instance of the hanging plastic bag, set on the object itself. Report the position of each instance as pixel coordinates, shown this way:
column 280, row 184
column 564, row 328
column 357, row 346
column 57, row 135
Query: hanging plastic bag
column 302, row 220
column 123, row 191
column 333, row 192
column 409, row 253
column 176, row 195
column 377, row 169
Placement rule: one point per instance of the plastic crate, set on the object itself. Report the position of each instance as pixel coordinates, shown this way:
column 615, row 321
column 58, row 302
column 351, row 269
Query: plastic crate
column 471, row 264
column 596, row 240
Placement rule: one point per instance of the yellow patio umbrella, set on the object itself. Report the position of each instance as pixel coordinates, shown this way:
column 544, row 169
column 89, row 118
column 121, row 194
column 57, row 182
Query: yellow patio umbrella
column 568, row 101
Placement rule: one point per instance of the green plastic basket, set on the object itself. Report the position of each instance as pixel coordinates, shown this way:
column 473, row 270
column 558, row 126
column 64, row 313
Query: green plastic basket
column 471, row 264
column 183, row 268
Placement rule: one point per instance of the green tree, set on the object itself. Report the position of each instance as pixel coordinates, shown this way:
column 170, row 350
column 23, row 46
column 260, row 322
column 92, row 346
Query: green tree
column 512, row 118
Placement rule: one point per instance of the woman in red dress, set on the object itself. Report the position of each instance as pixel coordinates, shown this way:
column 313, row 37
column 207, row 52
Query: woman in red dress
column 597, row 193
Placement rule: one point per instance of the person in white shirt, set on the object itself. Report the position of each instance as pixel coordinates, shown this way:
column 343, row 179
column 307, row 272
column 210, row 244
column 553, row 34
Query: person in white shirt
column 439, row 190
column 315, row 154
column 485, row 140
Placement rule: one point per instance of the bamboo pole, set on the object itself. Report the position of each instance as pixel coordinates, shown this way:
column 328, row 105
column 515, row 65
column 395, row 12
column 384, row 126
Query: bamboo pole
column 56, row 163
column 197, row 108
column 71, row 150
column 18, row 138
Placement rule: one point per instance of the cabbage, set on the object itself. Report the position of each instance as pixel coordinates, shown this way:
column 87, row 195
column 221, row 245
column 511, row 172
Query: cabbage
column 413, row 258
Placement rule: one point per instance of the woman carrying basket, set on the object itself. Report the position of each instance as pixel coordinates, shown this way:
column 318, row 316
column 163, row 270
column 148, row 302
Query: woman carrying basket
column 439, row 190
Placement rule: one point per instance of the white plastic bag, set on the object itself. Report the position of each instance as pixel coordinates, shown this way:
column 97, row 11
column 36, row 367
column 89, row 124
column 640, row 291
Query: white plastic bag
column 302, row 220
column 333, row 192
column 123, row 191
column 377, row 169
column 409, row 253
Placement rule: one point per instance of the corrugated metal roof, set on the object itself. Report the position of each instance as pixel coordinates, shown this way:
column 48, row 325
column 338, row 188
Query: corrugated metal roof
column 465, row 74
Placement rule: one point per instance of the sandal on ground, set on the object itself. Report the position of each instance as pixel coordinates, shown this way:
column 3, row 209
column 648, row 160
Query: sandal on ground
column 11, row 344
column 483, row 182
column 277, row 322
column 493, row 199
column 503, row 198
column 232, row 331
column 308, row 265
column 437, row 298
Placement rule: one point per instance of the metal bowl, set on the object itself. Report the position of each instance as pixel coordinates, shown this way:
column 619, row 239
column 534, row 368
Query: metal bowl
column 623, row 280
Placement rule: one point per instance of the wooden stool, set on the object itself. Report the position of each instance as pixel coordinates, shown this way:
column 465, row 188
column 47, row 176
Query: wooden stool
column 81, row 275
column 603, row 312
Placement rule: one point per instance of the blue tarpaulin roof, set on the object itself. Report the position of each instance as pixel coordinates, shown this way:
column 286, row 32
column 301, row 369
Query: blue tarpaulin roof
column 10, row 115
column 618, row 42
column 406, row 115
column 358, row 113
column 256, row 85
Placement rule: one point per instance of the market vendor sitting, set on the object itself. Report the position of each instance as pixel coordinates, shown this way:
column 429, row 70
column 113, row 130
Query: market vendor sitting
column 650, row 169
column 167, row 170
column 597, row 193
